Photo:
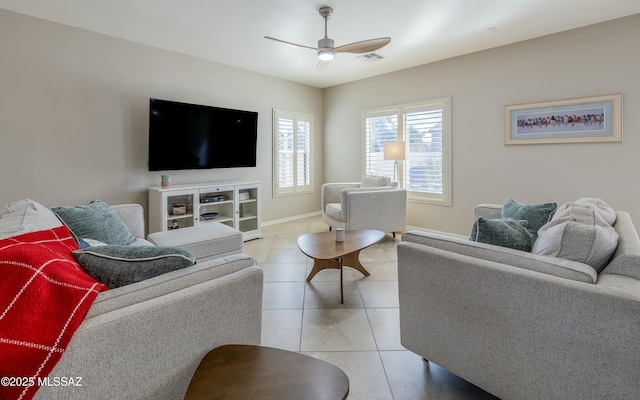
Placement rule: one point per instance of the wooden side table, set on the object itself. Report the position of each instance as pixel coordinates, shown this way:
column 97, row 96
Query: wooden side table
column 254, row 372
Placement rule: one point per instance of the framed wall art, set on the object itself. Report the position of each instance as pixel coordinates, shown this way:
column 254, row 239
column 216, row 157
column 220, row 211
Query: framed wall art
column 586, row 119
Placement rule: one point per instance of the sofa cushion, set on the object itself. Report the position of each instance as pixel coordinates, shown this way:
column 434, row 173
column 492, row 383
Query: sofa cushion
column 95, row 221
column 205, row 241
column 117, row 266
column 579, row 234
column 505, row 232
column 24, row 216
column 535, row 214
column 375, row 181
column 334, row 210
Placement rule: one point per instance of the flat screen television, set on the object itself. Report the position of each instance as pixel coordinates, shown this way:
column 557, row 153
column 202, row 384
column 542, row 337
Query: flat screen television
column 191, row 136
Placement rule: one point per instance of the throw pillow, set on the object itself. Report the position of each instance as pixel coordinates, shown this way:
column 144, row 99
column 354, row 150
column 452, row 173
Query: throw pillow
column 607, row 213
column 375, row 181
column 505, row 232
column 117, row 266
column 535, row 214
column 84, row 243
column 24, row 216
column 96, row 221
column 22, row 204
column 578, row 234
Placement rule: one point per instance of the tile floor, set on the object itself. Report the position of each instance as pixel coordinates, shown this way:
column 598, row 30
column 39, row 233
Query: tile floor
column 361, row 336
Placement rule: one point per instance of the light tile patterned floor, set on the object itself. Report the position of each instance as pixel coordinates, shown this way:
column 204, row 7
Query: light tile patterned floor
column 361, row 336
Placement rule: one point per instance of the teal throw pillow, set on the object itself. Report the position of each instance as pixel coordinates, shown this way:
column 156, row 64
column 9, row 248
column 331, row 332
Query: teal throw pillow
column 117, row 266
column 505, row 232
column 95, row 221
column 536, row 215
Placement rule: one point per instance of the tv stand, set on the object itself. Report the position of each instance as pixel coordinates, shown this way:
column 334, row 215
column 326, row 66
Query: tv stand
column 236, row 204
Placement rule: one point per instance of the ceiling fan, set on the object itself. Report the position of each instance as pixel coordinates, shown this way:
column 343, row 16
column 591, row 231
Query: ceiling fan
column 326, row 48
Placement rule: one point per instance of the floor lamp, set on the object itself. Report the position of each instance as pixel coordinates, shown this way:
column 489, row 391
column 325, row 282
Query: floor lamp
column 394, row 151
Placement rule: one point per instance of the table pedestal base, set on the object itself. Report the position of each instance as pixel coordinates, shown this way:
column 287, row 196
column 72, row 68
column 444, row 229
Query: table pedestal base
column 327, row 253
column 348, row 260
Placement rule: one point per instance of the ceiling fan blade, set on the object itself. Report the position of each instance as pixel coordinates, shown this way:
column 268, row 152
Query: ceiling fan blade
column 364, row 46
column 290, row 43
column 322, row 66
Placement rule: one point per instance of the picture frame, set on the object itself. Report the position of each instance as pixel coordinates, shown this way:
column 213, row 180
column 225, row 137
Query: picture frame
column 580, row 120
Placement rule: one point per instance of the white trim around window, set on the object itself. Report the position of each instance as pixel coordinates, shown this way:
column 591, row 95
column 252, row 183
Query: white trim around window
column 292, row 158
column 425, row 127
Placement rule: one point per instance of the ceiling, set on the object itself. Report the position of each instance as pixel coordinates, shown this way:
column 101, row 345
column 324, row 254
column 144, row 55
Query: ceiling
column 232, row 32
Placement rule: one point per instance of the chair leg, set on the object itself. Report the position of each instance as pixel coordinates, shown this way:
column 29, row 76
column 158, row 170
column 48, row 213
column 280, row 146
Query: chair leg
column 394, row 235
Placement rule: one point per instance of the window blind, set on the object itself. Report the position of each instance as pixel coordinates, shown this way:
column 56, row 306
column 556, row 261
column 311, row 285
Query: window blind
column 292, row 132
column 425, row 128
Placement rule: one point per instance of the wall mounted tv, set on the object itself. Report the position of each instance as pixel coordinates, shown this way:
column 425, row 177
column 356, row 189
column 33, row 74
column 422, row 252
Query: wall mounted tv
column 191, row 136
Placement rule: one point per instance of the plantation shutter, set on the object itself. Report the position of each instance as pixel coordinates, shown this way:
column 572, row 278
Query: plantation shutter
column 425, row 128
column 380, row 127
column 423, row 168
column 292, row 152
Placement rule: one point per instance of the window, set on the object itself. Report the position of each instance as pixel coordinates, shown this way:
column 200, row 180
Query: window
column 292, row 135
column 425, row 128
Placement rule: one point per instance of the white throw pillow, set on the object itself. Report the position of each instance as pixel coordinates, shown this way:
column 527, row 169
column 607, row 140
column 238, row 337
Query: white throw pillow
column 580, row 234
column 606, row 212
column 24, row 216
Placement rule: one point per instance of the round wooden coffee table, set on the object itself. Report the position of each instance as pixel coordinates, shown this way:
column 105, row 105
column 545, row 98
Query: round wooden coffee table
column 241, row 372
column 327, row 253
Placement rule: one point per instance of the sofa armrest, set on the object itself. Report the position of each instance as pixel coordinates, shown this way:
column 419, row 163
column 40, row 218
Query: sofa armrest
column 133, row 217
column 521, row 259
column 173, row 281
column 625, row 260
column 150, row 348
column 331, row 192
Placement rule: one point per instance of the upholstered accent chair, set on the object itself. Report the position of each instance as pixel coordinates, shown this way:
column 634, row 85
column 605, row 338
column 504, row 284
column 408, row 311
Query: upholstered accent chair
column 371, row 204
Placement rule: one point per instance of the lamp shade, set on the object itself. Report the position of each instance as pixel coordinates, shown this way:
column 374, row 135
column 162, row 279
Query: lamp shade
column 394, row 150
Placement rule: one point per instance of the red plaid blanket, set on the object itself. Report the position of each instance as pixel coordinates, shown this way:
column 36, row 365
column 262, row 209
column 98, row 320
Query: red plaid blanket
column 44, row 296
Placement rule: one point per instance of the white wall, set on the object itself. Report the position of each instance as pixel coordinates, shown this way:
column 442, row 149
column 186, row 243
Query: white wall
column 596, row 60
column 74, row 115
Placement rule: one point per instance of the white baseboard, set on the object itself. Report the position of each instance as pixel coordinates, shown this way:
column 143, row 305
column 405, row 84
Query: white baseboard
column 316, row 213
column 291, row 219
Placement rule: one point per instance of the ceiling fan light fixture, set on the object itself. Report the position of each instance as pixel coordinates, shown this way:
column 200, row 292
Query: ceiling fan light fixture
column 327, row 50
column 325, row 55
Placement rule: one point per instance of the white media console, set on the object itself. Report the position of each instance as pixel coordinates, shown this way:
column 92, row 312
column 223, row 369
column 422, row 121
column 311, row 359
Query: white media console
column 236, row 204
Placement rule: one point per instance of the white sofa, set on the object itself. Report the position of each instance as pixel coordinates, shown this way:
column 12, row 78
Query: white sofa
column 521, row 325
column 146, row 339
column 370, row 204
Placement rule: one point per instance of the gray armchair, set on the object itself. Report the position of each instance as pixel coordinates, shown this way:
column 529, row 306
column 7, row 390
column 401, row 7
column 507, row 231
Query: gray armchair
column 372, row 204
